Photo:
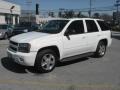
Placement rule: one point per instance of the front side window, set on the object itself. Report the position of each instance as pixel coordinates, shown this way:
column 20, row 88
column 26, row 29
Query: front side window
column 76, row 27
column 54, row 26
column 91, row 26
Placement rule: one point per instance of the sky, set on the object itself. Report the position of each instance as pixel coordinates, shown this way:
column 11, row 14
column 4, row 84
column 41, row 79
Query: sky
column 67, row 4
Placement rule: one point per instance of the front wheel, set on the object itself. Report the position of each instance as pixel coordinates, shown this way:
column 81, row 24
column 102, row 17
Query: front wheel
column 101, row 49
column 46, row 60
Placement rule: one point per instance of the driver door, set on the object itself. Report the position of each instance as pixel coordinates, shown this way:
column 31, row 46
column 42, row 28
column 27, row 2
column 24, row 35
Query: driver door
column 75, row 39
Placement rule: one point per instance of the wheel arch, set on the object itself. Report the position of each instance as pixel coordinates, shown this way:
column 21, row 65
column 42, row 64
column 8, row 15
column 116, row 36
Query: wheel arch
column 105, row 41
column 53, row 47
column 36, row 63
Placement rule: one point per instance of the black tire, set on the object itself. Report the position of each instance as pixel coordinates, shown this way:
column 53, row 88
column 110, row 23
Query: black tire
column 6, row 36
column 40, row 59
column 101, row 49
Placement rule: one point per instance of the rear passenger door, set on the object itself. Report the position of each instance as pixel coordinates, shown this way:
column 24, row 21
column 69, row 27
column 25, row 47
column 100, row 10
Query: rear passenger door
column 92, row 35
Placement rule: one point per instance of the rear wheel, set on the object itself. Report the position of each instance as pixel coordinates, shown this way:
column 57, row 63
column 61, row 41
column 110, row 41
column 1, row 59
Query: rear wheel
column 46, row 60
column 101, row 49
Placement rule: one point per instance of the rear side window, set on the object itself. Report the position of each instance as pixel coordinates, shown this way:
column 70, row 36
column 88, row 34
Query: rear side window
column 104, row 26
column 91, row 26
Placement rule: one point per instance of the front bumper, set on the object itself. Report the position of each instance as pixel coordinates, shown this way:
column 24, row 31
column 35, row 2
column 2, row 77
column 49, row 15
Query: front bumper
column 110, row 42
column 26, row 59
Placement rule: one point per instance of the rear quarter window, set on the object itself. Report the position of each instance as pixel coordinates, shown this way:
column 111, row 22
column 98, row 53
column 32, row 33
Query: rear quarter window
column 103, row 25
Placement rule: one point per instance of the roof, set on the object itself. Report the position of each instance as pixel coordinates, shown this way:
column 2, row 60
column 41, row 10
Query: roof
column 74, row 19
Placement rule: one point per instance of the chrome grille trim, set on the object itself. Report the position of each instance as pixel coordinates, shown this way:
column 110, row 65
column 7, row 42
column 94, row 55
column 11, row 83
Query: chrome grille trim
column 13, row 46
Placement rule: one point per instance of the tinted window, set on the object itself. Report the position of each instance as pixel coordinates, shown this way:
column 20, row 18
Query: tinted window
column 91, row 26
column 3, row 26
column 76, row 27
column 103, row 25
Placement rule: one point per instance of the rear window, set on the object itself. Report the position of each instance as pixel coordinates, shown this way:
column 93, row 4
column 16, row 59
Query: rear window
column 104, row 26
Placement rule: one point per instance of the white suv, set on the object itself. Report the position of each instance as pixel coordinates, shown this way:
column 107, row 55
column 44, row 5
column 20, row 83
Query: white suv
column 60, row 40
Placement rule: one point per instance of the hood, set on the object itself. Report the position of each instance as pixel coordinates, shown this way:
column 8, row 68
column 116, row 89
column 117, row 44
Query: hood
column 27, row 37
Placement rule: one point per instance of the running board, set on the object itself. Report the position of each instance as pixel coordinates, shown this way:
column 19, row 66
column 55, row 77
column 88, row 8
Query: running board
column 76, row 57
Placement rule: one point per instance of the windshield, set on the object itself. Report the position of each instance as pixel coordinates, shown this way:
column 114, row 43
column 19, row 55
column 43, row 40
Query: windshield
column 54, row 26
column 21, row 25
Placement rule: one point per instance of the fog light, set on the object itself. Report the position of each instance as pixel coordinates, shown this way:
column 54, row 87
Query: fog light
column 18, row 59
column 21, row 59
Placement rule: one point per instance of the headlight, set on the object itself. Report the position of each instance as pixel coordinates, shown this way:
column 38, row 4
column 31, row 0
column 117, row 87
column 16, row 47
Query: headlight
column 24, row 47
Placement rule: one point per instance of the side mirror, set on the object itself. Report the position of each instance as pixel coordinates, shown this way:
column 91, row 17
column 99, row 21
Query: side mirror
column 67, row 35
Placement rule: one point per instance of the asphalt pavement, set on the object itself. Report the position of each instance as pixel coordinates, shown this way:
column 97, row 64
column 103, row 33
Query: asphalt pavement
column 82, row 74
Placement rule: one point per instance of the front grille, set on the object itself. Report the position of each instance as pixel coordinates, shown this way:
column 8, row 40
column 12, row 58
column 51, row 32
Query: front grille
column 13, row 46
column 14, row 43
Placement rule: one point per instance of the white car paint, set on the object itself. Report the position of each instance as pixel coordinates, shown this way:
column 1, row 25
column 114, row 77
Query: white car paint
column 78, row 44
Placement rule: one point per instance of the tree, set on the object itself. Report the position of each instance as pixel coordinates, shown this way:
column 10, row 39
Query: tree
column 106, row 17
column 69, row 14
column 79, row 14
column 51, row 14
column 96, row 15
column 59, row 14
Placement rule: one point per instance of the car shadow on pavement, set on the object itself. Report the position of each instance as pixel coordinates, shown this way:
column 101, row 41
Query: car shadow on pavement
column 2, row 39
column 10, row 65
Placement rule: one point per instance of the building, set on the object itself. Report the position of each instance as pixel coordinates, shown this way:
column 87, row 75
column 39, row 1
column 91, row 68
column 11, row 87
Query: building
column 9, row 13
column 35, row 16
